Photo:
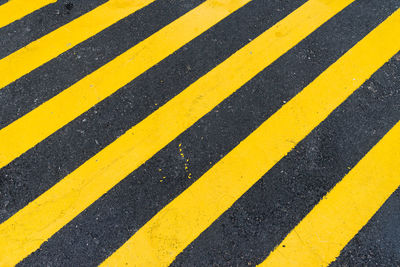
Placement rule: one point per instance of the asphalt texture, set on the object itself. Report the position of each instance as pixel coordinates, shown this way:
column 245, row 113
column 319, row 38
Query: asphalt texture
column 248, row 231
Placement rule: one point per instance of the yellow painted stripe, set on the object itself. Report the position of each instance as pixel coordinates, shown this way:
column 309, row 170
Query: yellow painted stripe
column 64, row 38
column 161, row 239
column 16, row 9
column 35, row 126
column 318, row 239
column 56, row 207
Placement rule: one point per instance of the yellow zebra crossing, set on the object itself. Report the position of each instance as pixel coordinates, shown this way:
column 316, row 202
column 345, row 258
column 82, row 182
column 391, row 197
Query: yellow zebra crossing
column 79, row 189
column 180, row 222
column 63, row 108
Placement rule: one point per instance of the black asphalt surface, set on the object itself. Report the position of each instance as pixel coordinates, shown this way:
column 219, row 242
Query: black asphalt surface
column 246, row 233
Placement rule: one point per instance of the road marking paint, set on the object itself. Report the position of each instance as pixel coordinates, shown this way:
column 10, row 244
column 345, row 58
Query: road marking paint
column 64, row 38
column 31, row 226
column 318, row 239
column 16, row 9
column 38, row 124
column 162, row 238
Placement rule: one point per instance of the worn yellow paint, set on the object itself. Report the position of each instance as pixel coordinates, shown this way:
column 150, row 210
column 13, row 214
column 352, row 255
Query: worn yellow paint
column 35, row 126
column 162, row 238
column 34, row 224
column 318, row 239
column 16, row 9
column 64, row 38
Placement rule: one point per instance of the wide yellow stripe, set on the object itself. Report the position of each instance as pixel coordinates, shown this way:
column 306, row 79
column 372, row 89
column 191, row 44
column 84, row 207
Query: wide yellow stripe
column 34, row 224
column 318, row 239
column 161, row 239
column 64, row 38
column 16, row 9
column 35, row 126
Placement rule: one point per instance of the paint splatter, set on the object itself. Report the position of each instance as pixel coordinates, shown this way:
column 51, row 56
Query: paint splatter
column 186, row 161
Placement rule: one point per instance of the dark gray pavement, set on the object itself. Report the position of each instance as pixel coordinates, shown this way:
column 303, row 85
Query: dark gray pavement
column 247, row 232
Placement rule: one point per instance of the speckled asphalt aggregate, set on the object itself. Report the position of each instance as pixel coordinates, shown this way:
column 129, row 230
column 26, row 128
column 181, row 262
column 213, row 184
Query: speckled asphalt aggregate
column 248, row 231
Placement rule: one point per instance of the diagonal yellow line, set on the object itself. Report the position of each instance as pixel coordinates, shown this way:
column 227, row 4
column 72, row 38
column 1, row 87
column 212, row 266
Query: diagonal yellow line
column 162, row 238
column 37, row 125
column 31, row 226
column 64, row 38
column 16, row 9
column 318, row 239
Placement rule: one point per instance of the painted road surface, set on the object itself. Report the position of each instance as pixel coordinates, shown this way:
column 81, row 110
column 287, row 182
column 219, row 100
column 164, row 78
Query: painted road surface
column 200, row 133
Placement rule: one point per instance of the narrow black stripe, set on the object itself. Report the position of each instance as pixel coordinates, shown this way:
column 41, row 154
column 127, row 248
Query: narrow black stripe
column 110, row 221
column 41, row 22
column 378, row 243
column 30, row 91
column 260, row 219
